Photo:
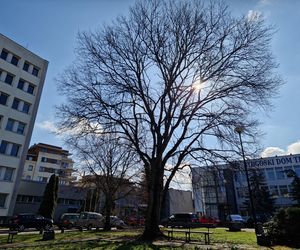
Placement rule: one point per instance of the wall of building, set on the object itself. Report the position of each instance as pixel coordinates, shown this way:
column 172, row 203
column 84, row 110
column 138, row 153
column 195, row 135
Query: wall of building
column 230, row 186
column 177, row 201
column 20, row 91
column 70, row 198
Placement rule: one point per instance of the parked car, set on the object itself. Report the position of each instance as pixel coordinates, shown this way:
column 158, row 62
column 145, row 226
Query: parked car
column 22, row 221
column 68, row 220
column 117, row 222
column 235, row 222
column 90, row 220
column 208, row 221
column 182, row 220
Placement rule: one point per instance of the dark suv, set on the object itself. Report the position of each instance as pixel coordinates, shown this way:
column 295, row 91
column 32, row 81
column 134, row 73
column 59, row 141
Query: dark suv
column 22, row 221
column 182, row 220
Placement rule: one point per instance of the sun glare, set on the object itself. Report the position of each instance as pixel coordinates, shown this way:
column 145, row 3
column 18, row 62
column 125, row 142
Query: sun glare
column 197, row 86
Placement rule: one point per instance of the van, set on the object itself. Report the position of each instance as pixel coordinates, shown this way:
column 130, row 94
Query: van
column 90, row 220
column 185, row 220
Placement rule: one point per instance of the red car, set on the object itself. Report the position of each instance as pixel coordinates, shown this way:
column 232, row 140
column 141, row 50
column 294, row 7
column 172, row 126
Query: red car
column 136, row 221
column 208, row 220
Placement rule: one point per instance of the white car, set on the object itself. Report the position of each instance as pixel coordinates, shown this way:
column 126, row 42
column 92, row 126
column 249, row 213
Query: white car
column 117, row 222
column 90, row 220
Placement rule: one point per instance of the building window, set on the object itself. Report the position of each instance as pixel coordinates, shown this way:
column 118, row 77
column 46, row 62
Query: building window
column 297, row 170
column 287, row 171
column 3, row 147
column 15, row 150
column 9, row 79
column 42, row 179
column 274, row 191
column 35, row 71
column 26, row 107
column 30, row 89
column 8, row 175
column 270, row 173
column 14, row 60
column 241, row 192
column 10, row 124
column 21, row 84
column 279, row 173
column 21, row 128
column 2, row 199
column 29, row 158
column 41, row 169
column 284, row 190
column 3, row 98
column 28, row 177
column 15, row 104
column 4, row 54
column 30, row 168
column 26, row 66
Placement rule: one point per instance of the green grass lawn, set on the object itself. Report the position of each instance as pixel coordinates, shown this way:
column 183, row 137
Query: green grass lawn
column 121, row 240
column 76, row 235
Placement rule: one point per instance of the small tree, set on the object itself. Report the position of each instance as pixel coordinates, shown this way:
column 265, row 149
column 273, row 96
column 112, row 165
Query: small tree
column 109, row 163
column 49, row 201
column 284, row 227
column 295, row 188
column 262, row 200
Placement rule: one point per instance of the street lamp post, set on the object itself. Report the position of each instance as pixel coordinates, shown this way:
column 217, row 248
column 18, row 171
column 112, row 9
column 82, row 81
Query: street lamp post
column 240, row 130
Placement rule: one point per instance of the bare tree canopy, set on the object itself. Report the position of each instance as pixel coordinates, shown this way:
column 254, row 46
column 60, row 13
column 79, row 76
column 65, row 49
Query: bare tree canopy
column 110, row 165
column 174, row 78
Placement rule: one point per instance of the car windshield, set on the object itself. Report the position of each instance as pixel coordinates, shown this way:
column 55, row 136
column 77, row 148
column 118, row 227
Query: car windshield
column 236, row 217
column 83, row 216
column 70, row 216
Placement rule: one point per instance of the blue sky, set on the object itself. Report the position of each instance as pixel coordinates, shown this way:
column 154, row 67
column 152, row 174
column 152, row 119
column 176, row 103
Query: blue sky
column 49, row 29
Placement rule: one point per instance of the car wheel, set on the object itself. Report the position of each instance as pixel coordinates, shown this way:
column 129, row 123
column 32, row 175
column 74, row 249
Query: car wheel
column 21, row 228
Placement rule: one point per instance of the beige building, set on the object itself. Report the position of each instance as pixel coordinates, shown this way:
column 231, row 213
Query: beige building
column 22, row 76
column 43, row 160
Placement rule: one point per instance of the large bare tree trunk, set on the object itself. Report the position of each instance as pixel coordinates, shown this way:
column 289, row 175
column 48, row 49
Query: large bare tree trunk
column 108, row 206
column 155, row 184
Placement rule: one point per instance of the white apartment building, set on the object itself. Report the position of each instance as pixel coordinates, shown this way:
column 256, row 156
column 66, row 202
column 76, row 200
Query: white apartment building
column 43, row 160
column 22, row 76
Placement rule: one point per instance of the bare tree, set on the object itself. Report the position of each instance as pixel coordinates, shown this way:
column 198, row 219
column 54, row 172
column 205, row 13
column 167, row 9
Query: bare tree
column 110, row 168
column 174, row 78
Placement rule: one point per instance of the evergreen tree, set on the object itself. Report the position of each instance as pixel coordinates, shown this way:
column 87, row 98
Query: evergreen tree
column 262, row 200
column 49, row 201
column 295, row 188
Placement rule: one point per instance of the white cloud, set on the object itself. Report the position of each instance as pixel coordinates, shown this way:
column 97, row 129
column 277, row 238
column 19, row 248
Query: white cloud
column 264, row 2
column 293, row 148
column 272, row 151
column 49, row 126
